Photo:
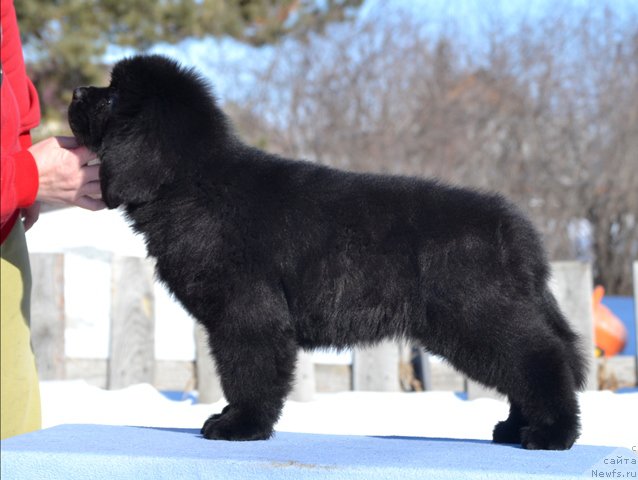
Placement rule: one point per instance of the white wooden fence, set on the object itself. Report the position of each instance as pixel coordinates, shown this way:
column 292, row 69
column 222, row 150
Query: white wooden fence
column 131, row 353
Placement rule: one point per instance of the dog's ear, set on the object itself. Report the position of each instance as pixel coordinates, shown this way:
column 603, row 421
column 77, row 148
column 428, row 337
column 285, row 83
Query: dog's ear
column 132, row 172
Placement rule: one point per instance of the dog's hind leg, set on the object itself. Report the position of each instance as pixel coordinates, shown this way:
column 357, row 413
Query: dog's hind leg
column 548, row 369
column 510, row 347
column 544, row 411
column 548, row 399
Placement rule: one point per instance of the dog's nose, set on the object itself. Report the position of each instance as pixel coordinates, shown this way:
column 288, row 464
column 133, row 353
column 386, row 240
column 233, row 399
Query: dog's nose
column 79, row 93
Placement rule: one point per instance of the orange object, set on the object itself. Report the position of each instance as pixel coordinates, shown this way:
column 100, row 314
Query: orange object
column 609, row 332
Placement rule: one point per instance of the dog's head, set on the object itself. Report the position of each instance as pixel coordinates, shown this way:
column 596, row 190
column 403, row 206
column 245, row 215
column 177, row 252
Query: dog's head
column 154, row 122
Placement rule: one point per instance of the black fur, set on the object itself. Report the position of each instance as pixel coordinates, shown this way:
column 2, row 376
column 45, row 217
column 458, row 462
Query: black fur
column 271, row 255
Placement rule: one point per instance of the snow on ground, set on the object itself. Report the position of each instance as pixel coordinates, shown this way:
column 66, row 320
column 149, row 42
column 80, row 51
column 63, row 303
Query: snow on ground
column 608, row 419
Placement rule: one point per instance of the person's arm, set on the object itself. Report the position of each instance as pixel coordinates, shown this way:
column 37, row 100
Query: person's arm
column 20, row 113
column 54, row 170
column 19, row 183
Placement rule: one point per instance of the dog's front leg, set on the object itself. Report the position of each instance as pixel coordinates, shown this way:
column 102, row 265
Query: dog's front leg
column 255, row 357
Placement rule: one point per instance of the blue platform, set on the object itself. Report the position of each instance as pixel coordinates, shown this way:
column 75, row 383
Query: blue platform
column 112, row 452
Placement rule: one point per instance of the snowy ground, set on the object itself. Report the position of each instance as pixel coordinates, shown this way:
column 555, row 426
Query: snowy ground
column 608, row 419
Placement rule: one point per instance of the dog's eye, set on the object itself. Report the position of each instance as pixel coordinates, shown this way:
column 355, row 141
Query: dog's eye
column 111, row 99
column 108, row 102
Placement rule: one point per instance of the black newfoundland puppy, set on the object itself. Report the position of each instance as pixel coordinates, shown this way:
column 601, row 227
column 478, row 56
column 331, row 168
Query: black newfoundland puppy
column 271, row 255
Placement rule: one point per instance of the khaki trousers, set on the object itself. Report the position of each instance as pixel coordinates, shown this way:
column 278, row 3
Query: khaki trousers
column 19, row 388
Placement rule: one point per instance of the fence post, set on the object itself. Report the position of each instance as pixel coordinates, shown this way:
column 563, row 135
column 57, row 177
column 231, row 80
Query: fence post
column 132, row 348
column 572, row 285
column 47, row 314
column 208, row 386
column 376, row 368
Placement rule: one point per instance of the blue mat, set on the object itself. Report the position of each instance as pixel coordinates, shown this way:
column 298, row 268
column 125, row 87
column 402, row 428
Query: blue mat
column 111, row 452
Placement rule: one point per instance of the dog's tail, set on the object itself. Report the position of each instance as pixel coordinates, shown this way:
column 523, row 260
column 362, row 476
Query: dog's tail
column 570, row 338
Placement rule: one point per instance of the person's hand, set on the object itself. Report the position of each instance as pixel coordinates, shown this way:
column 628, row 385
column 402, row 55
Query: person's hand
column 65, row 176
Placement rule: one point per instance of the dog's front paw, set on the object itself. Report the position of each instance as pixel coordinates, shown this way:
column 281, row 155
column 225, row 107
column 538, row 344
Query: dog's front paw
column 216, row 416
column 507, row 432
column 548, row 438
column 231, row 424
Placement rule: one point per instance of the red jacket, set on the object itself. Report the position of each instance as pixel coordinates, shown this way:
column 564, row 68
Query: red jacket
column 20, row 112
